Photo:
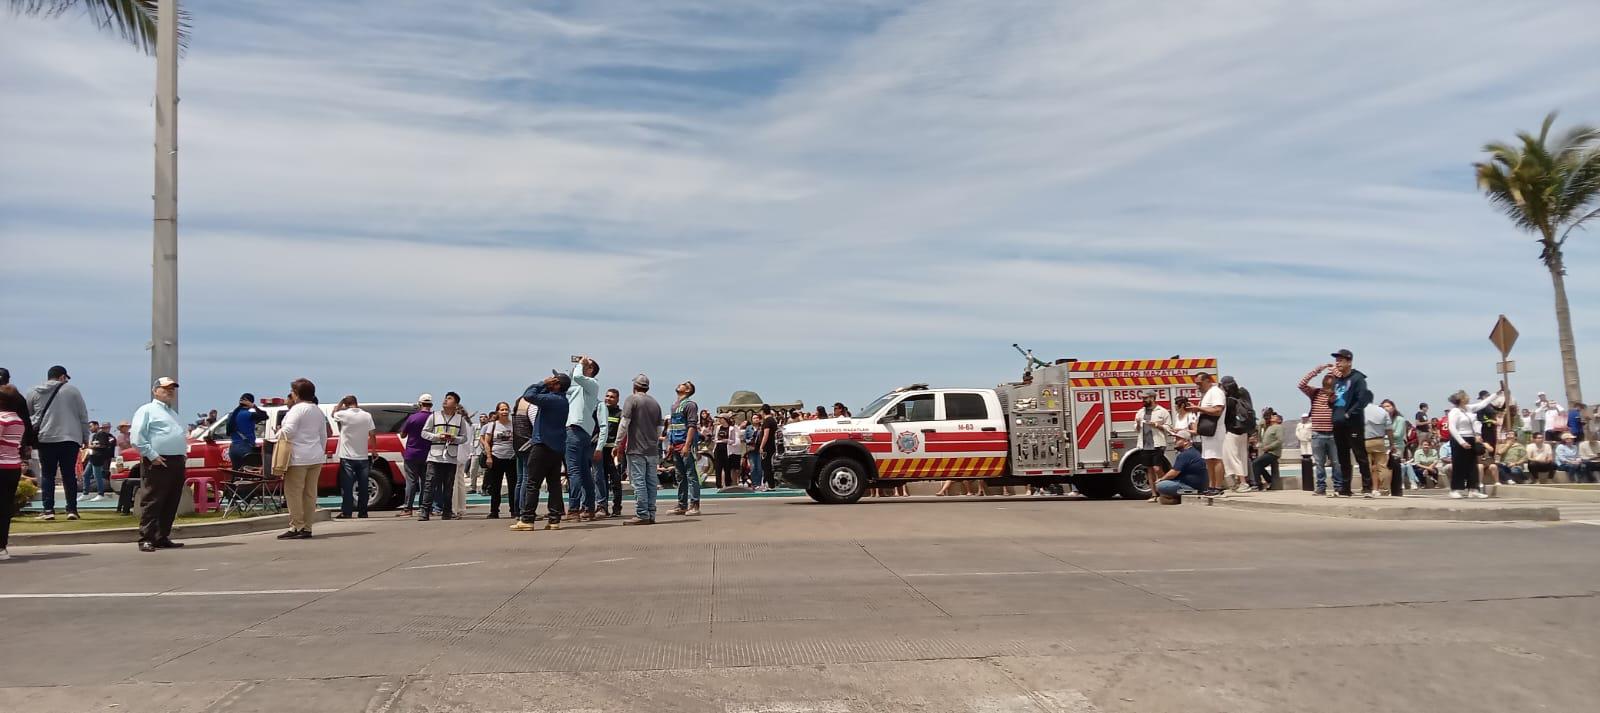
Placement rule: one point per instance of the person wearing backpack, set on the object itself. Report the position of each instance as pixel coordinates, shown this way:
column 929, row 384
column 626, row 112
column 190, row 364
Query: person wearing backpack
column 62, row 422
column 1239, row 422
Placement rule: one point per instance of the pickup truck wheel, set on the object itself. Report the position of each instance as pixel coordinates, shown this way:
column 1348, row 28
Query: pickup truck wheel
column 380, row 488
column 815, row 494
column 1134, row 484
column 841, row 481
column 1098, row 488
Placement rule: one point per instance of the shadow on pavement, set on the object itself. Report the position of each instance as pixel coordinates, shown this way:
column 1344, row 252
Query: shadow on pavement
column 22, row 556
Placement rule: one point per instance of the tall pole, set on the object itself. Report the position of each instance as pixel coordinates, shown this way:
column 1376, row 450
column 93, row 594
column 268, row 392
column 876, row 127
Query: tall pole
column 164, row 272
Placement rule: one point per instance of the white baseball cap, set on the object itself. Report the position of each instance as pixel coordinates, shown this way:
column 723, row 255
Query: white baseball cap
column 425, row 399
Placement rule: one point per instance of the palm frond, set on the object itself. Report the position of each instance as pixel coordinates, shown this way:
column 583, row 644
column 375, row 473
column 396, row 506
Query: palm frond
column 133, row 20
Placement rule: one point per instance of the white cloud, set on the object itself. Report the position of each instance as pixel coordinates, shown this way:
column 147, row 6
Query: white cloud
column 819, row 199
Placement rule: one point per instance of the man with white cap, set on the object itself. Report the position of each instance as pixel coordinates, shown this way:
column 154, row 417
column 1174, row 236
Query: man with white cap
column 163, row 445
column 1188, row 472
column 415, row 453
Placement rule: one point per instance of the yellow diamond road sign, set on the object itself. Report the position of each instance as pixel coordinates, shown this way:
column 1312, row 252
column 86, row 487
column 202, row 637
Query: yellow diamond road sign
column 1503, row 335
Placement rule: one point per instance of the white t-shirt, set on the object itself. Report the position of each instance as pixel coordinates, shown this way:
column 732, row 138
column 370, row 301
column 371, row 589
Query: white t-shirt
column 307, row 431
column 1555, row 419
column 354, row 427
column 499, row 439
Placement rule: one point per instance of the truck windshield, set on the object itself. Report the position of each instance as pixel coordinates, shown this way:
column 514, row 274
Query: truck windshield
column 877, row 404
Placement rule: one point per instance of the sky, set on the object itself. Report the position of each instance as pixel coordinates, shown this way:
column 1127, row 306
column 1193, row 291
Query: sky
column 818, row 200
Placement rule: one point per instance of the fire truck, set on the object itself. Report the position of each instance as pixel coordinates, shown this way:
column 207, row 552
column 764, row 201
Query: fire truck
column 1067, row 422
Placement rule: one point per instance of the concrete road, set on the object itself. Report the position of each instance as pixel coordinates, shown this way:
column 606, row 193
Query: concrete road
column 972, row 605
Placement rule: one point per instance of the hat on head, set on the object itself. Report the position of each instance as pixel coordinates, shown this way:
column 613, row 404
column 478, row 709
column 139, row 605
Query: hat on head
column 641, row 382
column 1182, row 433
column 425, row 399
column 124, row 424
column 1343, row 354
column 166, row 381
column 1568, row 436
column 1147, row 394
column 247, row 396
column 562, row 377
column 57, row 372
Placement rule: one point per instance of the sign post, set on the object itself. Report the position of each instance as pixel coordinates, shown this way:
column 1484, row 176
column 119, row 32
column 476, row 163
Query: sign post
column 1504, row 336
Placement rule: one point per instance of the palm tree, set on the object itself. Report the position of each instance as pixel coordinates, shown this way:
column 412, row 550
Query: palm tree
column 134, row 20
column 1549, row 190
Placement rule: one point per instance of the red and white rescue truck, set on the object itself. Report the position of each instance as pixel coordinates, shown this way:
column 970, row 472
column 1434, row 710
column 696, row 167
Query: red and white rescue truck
column 1069, row 422
column 208, row 454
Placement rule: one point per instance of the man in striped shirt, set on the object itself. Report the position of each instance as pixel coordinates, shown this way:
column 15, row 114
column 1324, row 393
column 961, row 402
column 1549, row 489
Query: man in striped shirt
column 1323, row 451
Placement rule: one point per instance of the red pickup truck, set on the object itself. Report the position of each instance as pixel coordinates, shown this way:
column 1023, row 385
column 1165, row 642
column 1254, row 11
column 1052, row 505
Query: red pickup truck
column 208, row 455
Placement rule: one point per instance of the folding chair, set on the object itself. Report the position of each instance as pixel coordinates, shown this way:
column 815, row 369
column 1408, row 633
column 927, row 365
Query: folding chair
column 251, row 491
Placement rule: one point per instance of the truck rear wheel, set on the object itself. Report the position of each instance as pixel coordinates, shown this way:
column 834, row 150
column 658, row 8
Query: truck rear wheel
column 1135, row 484
column 841, row 481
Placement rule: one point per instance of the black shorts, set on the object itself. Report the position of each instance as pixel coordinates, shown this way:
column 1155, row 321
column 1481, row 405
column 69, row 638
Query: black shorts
column 1490, row 436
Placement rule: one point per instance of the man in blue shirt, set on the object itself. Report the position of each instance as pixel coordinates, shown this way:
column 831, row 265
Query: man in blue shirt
column 242, row 429
column 1188, row 471
column 163, row 445
column 549, row 445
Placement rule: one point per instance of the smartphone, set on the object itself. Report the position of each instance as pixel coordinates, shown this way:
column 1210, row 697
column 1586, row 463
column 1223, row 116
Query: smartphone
column 576, row 358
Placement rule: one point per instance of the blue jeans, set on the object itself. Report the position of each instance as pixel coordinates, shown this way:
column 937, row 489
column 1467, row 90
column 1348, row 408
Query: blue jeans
column 755, row 470
column 96, row 478
column 1326, row 456
column 688, row 478
column 415, row 471
column 238, row 452
column 580, row 471
column 642, row 473
column 522, row 475
column 1172, row 488
column 62, row 458
column 354, row 487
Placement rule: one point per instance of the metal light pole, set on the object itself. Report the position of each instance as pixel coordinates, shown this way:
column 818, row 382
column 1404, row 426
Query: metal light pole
column 164, row 272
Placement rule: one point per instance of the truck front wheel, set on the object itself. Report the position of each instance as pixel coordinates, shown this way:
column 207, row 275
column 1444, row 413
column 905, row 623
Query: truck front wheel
column 841, row 481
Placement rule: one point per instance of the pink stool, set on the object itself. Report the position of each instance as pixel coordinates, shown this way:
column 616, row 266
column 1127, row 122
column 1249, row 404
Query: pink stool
column 207, row 497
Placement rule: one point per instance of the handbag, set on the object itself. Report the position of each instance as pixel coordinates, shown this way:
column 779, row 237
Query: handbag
column 280, row 455
column 1206, row 425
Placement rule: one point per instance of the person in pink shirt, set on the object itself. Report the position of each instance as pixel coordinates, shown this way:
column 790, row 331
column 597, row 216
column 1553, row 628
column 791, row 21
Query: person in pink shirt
column 16, row 439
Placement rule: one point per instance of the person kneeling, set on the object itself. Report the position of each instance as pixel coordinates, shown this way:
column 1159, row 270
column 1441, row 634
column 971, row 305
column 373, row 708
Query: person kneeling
column 1188, row 471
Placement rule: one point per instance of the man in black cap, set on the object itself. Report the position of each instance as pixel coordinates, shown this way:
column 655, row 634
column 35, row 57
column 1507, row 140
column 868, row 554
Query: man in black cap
column 62, row 421
column 241, row 429
column 549, row 445
column 1349, row 405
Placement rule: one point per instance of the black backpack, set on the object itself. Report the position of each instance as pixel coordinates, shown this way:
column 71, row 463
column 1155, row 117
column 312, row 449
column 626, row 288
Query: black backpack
column 1241, row 414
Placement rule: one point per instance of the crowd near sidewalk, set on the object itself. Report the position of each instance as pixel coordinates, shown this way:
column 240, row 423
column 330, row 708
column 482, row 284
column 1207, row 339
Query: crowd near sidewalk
column 575, row 441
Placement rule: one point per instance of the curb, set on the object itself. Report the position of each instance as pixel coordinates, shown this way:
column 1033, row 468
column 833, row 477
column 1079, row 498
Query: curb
column 1567, row 493
column 131, row 534
column 1495, row 513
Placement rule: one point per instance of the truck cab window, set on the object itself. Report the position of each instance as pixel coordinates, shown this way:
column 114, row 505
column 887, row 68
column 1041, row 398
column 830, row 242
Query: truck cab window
column 913, row 408
column 965, row 407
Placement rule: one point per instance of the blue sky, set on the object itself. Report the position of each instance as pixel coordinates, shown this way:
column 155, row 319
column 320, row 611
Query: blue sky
column 817, row 199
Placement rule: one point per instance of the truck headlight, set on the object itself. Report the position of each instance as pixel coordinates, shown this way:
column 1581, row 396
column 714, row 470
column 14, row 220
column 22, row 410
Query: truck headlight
column 796, row 441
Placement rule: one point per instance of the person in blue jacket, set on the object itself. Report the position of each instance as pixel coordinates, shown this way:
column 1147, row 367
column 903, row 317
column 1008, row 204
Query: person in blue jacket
column 549, row 445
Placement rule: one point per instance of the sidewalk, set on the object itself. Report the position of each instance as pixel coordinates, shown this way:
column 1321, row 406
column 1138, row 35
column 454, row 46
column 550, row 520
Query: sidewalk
column 665, row 494
column 1415, row 505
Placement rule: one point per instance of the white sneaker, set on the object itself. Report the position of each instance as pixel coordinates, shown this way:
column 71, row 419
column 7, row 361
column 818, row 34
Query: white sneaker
column 1380, row 493
column 1368, row 495
column 82, row 497
column 1479, row 493
column 1456, row 495
column 74, row 516
column 46, row 517
column 4, row 555
column 97, row 498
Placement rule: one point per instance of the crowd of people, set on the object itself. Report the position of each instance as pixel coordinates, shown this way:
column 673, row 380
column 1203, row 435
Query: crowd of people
column 568, row 438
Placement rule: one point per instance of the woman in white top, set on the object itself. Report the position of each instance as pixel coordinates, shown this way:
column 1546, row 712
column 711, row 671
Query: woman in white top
column 305, row 432
column 1465, row 446
column 502, row 458
column 735, row 452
